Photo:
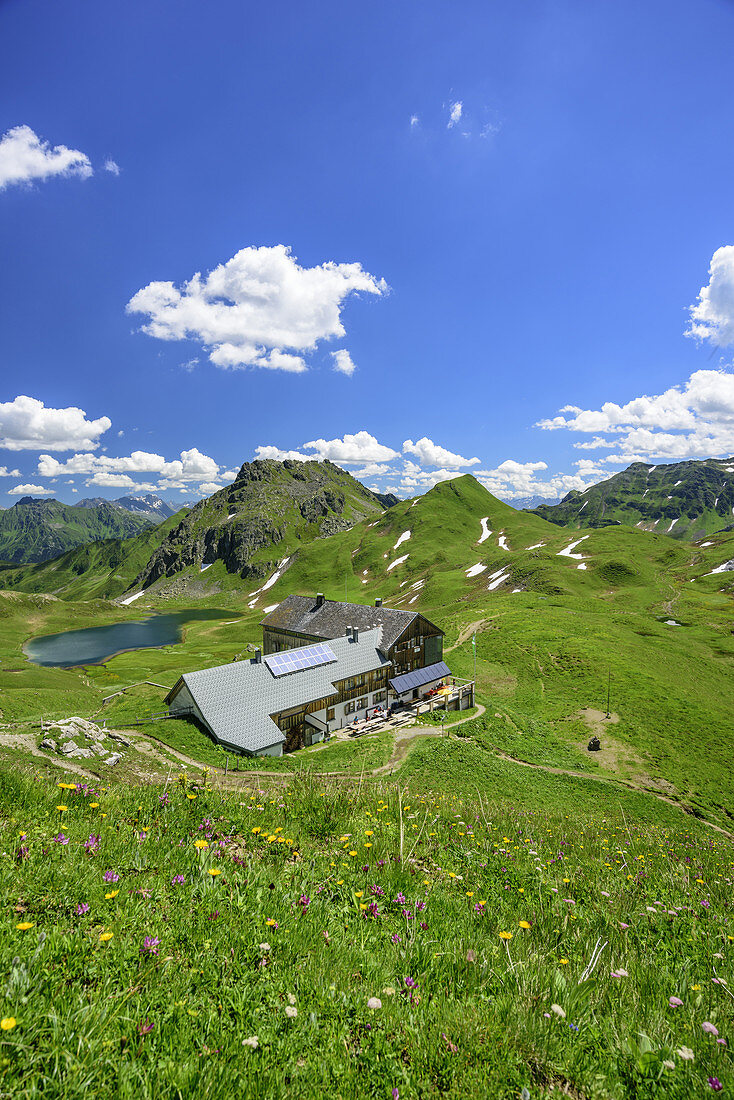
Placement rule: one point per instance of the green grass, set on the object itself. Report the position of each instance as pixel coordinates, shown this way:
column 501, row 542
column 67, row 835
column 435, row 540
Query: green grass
column 277, row 946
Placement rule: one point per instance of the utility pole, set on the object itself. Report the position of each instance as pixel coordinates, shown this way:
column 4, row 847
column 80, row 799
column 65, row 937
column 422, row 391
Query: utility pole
column 609, row 690
column 474, row 647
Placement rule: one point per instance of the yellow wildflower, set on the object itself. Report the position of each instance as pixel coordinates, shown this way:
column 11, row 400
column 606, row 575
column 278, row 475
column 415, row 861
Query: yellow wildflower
column 105, row 937
column 112, row 894
column 213, row 871
column 201, row 843
column 24, row 925
column 8, row 1023
column 524, row 924
column 505, row 935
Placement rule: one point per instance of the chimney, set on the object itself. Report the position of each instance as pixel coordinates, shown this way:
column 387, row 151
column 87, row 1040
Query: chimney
column 355, row 633
column 319, row 599
column 348, row 632
column 378, row 601
column 258, row 656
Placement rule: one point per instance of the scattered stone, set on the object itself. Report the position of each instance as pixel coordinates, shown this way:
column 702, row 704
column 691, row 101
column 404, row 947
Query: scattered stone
column 594, row 744
column 69, row 748
column 86, row 753
column 115, row 758
column 48, row 743
column 120, row 740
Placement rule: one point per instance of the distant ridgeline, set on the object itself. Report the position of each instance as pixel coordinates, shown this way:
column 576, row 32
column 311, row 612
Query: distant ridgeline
column 686, row 500
column 35, row 530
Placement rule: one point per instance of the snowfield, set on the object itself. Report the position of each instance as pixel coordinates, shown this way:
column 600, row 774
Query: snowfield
column 485, row 530
column 567, row 552
column 398, row 561
column 403, row 538
column 475, row 570
column 132, row 599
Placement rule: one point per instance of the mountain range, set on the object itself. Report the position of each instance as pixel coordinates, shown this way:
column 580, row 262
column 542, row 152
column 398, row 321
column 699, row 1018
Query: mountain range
column 38, row 530
column 686, row 500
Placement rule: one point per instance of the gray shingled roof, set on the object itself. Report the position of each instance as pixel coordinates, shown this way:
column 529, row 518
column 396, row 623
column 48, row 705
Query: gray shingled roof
column 237, row 699
column 301, row 615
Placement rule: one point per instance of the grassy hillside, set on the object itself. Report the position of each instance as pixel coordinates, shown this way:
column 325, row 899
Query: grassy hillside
column 176, row 942
column 99, row 570
column 686, row 500
column 551, row 630
column 37, row 530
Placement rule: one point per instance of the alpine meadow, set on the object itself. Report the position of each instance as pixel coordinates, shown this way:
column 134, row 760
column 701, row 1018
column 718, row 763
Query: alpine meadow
column 366, row 551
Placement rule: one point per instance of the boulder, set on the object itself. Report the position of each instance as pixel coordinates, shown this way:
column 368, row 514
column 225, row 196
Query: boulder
column 115, row 758
column 69, row 748
column 48, row 743
column 120, row 740
column 594, row 744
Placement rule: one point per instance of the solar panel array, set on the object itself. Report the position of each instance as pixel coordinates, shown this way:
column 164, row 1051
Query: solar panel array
column 296, row 660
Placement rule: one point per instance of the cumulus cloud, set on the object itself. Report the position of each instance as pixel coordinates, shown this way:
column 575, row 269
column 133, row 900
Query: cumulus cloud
column 30, row 491
column 712, row 316
column 191, row 466
column 512, row 479
column 27, row 425
column 352, row 449
column 209, row 487
column 431, row 454
column 24, row 157
column 5, row 472
column 343, row 362
column 455, row 112
column 695, row 420
column 111, row 166
column 259, row 309
column 278, row 455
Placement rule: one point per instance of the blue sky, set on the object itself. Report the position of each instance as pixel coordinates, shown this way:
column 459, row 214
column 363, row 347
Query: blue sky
column 420, row 231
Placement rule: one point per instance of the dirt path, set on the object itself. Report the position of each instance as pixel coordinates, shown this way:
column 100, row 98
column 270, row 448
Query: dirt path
column 405, row 738
column 465, row 633
column 27, row 742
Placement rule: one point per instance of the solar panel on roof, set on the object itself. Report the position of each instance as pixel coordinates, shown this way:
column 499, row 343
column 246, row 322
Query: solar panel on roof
column 296, row 660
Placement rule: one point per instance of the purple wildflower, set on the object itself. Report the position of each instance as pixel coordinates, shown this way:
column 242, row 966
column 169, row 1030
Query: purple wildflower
column 304, row 901
column 178, row 880
column 82, row 907
column 400, row 900
column 214, row 915
column 111, row 876
column 61, row 839
column 420, row 906
column 145, row 1027
column 715, row 1084
column 710, row 1029
column 410, row 983
column 423, row 926
column 92, row 844
column 396, row 938
column 675, row 1002
column 164, row 799
column 150, row 945
column 377, row 891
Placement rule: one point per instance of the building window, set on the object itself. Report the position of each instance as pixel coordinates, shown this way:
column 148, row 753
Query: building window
column 330, row 714
column 361, row 703
column 349, row 707
column 379, row 697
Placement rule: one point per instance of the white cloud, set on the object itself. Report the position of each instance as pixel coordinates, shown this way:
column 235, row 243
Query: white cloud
column 455, row 112
column 27, row 425
column 278, row 455
column 414, row 120
column 695, row 420
column 30, row 491
column 111, row 166
column 24, row 157
column 431, row 454
column 5, row 472
column 191, row 466
column 373, row 469
column 209, row 487
column 352, row 449
column 258, row 309
column 712, row 317
column 343, row 362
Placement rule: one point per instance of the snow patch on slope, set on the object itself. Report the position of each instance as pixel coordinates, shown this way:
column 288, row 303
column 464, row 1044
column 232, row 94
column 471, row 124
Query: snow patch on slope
column 485, row 530
column 567, row 552
column 398, row 561
column 475, row 570
column 403, row 538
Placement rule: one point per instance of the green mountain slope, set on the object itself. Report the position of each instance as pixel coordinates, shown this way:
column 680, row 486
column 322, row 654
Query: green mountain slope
column 267, row 512
column 38, row 530
column 686, row 500
column 98, row 570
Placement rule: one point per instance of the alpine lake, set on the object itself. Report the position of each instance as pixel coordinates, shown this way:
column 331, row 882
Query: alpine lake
column 93, row 645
